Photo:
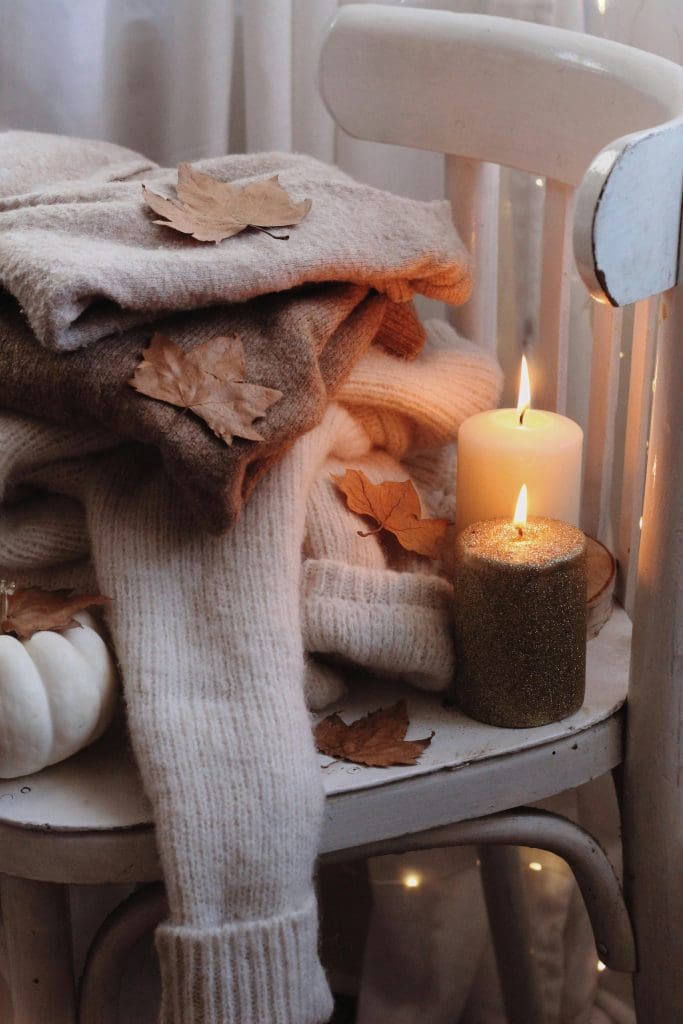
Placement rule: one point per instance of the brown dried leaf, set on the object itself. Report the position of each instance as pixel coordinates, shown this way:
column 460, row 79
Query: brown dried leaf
column 395, row 506
column 209, row 381
column 377, row 740
column 32, row 610
column 211, row 210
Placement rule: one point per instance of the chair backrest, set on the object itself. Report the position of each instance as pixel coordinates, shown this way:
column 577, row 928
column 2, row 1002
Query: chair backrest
column 603, row 124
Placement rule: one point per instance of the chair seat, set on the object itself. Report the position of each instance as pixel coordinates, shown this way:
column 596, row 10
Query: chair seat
column 87, row 819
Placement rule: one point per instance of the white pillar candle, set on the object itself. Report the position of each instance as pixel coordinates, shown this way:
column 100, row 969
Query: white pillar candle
column 497, row 454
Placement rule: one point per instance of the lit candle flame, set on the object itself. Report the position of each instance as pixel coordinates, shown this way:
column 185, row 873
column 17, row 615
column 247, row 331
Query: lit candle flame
column 524, row 400
column 519, row 518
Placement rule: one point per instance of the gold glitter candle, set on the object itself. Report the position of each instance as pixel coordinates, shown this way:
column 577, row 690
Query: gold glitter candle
column 520, row 618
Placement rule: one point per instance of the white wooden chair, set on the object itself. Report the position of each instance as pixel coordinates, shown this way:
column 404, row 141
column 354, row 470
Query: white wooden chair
column 486, row 92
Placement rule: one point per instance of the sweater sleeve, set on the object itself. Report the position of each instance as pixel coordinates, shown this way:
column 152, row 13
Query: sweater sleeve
column 208, row 633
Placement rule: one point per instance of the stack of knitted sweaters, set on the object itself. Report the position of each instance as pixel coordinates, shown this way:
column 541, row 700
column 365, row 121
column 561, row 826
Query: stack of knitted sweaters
column 223, row 617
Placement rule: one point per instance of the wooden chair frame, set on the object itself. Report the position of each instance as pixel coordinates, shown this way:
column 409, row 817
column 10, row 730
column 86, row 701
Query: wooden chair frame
column 603, row 124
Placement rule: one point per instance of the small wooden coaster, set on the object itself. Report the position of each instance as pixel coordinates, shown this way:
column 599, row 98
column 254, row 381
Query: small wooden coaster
column 601, row 571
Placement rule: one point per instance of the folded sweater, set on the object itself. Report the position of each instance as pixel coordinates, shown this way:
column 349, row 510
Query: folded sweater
column 82, row 254
column 88, row 277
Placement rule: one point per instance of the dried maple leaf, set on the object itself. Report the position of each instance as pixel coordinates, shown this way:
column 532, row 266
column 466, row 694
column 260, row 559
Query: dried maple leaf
column 209, row 381
column 395, row 506
column 32, row 610
column 211, row 210
column 377, row 740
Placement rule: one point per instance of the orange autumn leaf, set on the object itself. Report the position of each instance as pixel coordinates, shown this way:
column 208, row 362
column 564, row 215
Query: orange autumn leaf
column 211, row 210
column 208, row 380
column 395, row 506
column 377, row 740
column 32, row 610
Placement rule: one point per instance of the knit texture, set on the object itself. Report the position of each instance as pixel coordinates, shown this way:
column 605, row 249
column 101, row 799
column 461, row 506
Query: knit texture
column 303, row 344
column 210, row 633
column 389, row 623
column 208, row 637
column 114, row 267
column 82, row 263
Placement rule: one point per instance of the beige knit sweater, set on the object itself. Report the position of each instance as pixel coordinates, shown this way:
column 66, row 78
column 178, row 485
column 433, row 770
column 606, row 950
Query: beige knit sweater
column 75, row 206
column 88, row 276
column 210, row 634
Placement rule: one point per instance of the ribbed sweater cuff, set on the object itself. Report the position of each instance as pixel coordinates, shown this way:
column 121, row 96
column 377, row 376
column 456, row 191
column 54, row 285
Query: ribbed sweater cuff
column 386, row 621
column 244, row 973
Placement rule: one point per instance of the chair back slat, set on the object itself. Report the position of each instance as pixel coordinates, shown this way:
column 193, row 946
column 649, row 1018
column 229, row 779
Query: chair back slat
column 607, row 120
column 551, row 351
column 473, row 189
column 643, row 354
column 600, row 447
column 603, row 124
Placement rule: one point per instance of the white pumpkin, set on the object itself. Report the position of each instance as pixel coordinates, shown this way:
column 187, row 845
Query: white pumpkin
column 57, row 695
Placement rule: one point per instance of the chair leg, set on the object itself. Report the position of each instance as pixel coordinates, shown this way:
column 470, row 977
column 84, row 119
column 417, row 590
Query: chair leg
column 39, row 957
column 541, row 830
column 508, row 916
column 101, row 980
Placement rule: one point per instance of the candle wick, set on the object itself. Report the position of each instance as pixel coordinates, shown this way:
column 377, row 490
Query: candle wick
column 520, row 532
column 521, row 415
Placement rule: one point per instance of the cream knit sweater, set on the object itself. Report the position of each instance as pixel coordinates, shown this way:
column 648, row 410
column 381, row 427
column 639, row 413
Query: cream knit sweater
column 209, row 632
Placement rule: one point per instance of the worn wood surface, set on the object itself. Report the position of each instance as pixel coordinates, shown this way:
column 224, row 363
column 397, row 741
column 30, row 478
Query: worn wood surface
column 40, row 976
column 86, row 819
column 101, row 980
column 643, row 353
column 632, row 195
column 653, row 777
column 601, row 571
column 600, row 439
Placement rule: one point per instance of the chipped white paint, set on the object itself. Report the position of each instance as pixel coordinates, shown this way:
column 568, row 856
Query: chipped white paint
column 559, row 105
column 460, row 740
column 630, row 251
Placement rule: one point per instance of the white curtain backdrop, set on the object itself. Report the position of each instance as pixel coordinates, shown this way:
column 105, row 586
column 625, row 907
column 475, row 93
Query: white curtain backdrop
column 183, row 79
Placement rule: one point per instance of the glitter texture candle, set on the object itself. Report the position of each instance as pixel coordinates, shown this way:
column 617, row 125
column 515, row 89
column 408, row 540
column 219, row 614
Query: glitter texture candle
column 520, row 619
